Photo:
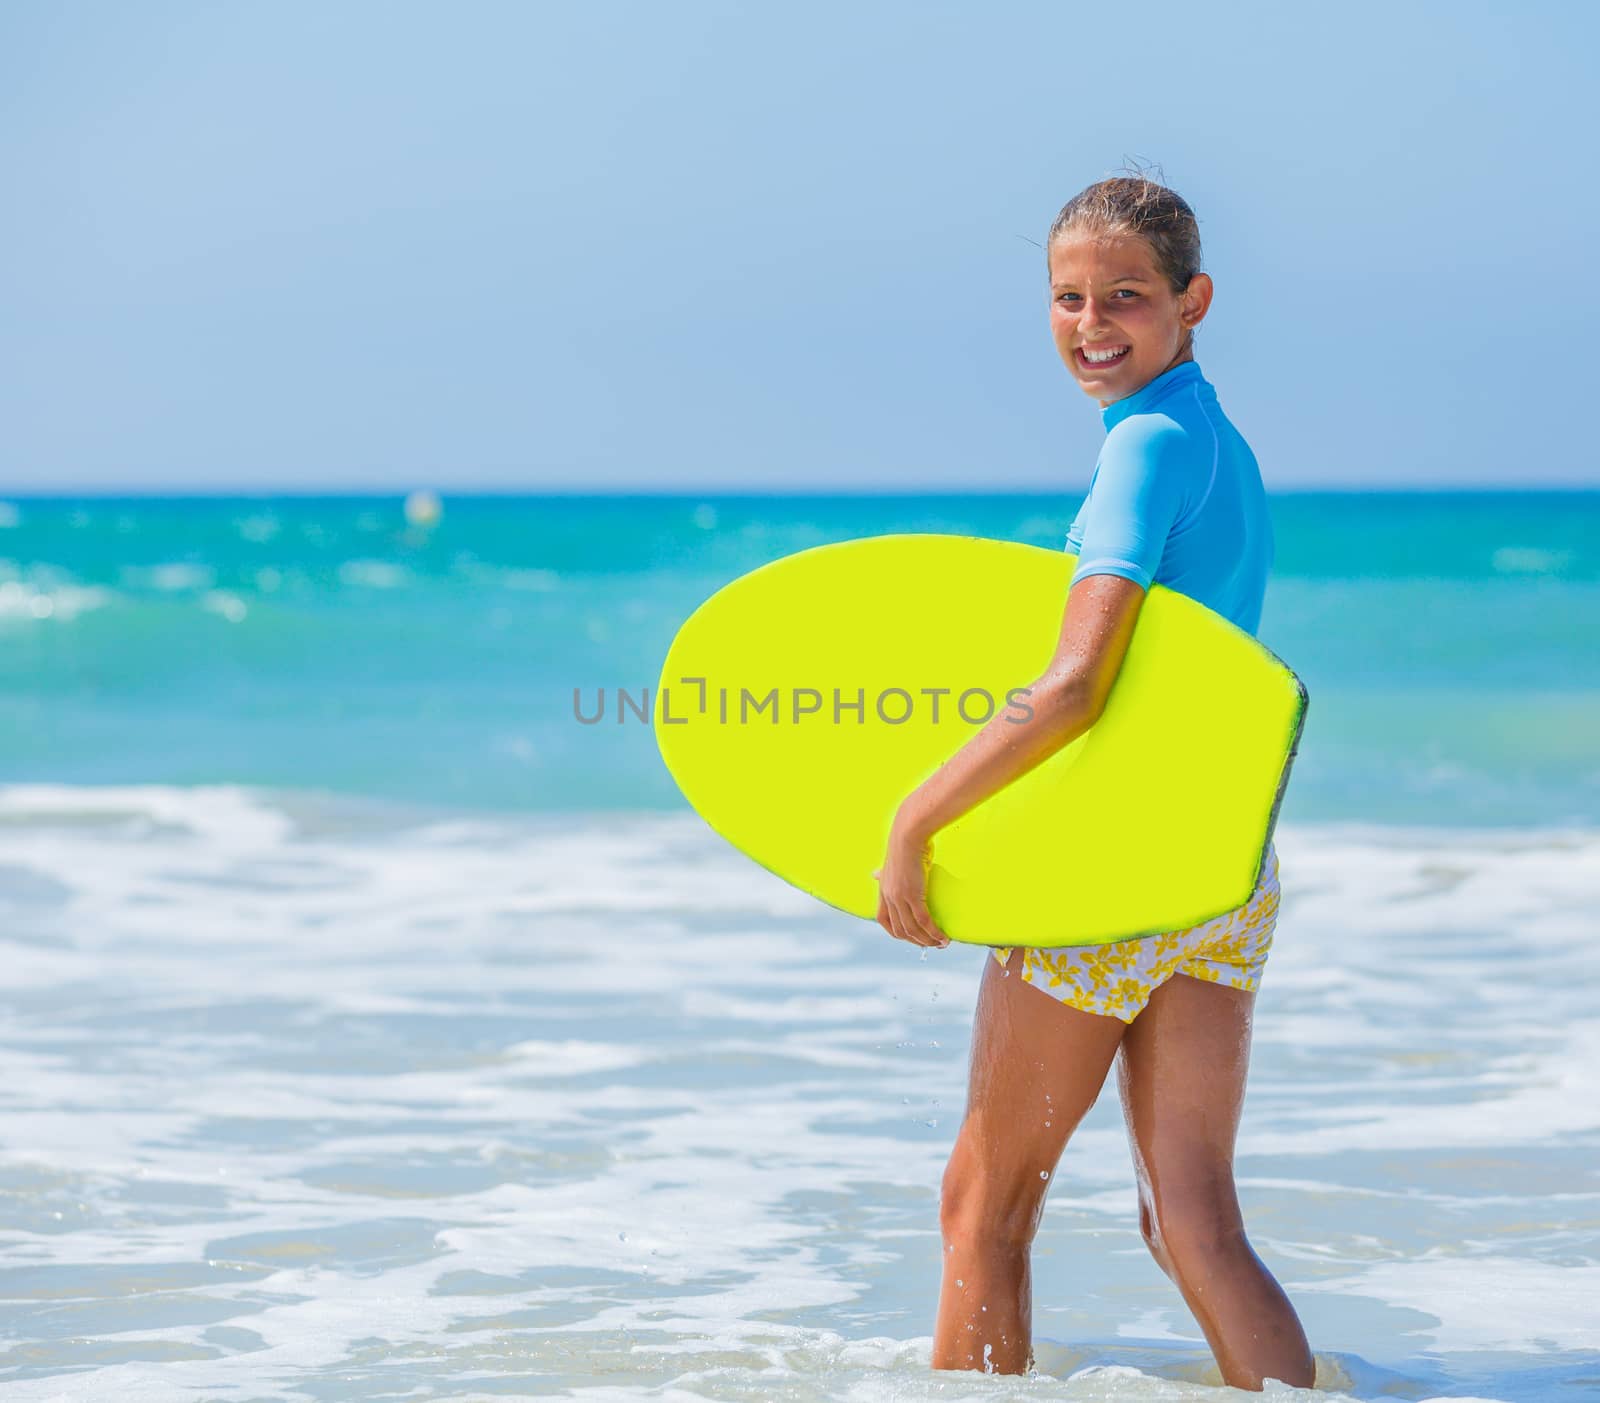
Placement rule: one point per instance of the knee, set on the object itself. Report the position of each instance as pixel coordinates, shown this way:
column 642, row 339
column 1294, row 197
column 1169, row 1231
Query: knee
column 983, row 1198
column 1191, row 1225
column 1152, row 1234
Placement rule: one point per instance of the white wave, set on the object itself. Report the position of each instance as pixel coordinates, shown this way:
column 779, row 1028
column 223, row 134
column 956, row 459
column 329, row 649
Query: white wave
column 225, row 604
column 1532, row 1306
column 374, row 574
column 172, row 577
column 21, row 599
column 506, row 1093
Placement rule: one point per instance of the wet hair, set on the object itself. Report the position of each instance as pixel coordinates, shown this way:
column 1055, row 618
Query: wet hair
column 1135, row 204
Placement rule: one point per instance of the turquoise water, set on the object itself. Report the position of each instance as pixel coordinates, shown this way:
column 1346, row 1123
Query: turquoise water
column 369, row 1029
column 1448, row 641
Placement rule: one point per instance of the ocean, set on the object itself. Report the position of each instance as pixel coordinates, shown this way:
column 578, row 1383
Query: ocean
column 374, row 1030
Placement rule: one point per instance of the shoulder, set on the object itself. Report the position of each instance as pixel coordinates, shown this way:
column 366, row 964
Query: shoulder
column 1152, row 443
column 1154, row 432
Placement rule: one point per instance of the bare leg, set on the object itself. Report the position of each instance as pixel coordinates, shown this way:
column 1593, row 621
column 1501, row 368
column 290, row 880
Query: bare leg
column 1037, row 1066
column 1182, row 1075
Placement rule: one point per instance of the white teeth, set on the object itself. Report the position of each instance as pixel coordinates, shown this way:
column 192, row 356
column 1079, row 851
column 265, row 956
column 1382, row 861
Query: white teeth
column 1097, row 358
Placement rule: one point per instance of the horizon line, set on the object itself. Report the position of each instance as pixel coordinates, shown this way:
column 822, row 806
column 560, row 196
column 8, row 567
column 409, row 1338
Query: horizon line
column 178, row 492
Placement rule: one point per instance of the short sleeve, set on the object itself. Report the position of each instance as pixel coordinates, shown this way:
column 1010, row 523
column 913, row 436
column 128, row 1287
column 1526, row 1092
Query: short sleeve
column 1137, row 495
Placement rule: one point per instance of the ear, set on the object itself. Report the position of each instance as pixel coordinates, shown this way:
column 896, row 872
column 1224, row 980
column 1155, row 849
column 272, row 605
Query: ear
column 1195, row 300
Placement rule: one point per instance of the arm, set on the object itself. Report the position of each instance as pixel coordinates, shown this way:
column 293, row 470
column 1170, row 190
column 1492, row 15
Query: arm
column 1067, row 698
column 1139, row 493
column 1138, row 496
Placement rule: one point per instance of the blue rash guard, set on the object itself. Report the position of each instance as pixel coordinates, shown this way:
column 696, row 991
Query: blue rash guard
column 1176, row 499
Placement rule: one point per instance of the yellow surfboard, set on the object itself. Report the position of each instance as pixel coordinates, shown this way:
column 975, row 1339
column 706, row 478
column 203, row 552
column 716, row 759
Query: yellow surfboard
column 800, row 704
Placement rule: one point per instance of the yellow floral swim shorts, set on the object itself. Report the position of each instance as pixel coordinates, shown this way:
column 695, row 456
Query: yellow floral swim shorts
column 1118, row 980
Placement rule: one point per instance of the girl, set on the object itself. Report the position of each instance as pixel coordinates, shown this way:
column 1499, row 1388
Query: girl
column 1176, row 497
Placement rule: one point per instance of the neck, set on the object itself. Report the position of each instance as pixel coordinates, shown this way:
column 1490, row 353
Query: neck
column 1184, row 352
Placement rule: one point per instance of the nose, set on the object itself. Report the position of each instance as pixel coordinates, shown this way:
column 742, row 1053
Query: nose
column 1089, row 314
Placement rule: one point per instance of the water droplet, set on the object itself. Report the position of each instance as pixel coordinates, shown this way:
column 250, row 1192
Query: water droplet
column 622, row 1237
column 1044, row 1173
column 984, row 1307
column 1047, row 1125
column 960, row 1282
column 932, row 1124
column 905, row 1100
column 988, row 1366
column 933, row 1044
column 924, row 954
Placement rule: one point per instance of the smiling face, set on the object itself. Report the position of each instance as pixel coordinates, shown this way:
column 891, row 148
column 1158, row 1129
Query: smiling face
column 1116, row 321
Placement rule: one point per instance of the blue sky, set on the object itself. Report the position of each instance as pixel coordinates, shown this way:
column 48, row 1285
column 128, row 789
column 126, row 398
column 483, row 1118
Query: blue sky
column 527, row 246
